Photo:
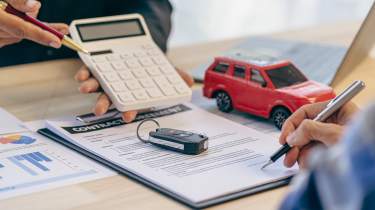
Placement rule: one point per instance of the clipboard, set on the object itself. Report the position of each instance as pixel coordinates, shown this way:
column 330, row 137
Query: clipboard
column 204, row 204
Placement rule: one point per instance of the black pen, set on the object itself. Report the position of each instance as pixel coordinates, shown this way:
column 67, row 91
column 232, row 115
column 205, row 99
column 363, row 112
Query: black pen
column 334, row 105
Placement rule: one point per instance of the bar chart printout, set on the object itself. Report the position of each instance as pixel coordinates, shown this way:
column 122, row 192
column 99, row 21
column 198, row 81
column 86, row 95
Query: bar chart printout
column 36, row 159
column 29, row 163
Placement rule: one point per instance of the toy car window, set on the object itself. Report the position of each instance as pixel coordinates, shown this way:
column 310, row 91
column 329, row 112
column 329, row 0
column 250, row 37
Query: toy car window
column 256, row 76
column 286, row 76
column 239, row 71
column 221, row 68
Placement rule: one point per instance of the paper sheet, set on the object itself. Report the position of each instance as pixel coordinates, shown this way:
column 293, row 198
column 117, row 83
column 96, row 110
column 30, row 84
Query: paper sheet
column 232, row 162
column 9, row 123
column 248, row 120
column 30, row 163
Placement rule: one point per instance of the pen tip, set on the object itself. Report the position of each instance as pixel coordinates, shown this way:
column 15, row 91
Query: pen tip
column 267, row 164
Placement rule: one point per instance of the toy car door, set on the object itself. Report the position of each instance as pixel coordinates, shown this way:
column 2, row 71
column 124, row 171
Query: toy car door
column 240, row 76
column 257, row 92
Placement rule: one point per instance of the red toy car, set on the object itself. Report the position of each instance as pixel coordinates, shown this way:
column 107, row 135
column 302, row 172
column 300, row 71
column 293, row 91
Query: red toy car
column 270, row 89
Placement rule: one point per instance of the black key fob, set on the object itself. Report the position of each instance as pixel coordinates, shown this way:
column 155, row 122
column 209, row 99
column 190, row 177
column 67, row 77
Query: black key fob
column 180, row 141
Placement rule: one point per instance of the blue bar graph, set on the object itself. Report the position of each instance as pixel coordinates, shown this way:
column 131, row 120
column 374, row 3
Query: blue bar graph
column 43, row 157
column 18, row 163
column 35, row 162
column 35, row 158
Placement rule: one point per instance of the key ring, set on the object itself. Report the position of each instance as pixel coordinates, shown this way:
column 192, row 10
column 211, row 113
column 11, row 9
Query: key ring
column 139, row 126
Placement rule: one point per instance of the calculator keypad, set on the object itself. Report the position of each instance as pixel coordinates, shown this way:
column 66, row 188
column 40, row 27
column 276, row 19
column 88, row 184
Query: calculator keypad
column 139, row 75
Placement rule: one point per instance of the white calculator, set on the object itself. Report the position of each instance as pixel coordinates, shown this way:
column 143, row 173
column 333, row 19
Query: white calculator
column 129, row 66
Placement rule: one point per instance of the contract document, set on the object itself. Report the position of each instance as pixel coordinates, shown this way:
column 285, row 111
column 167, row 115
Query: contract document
column 231, row 165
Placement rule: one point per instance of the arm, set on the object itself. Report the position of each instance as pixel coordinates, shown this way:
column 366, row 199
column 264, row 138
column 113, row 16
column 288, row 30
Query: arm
column 340, row 177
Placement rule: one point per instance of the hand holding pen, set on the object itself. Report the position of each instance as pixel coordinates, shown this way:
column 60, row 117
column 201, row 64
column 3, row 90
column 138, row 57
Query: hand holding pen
column 314, row 124
column 13, row 29
column 17, row 22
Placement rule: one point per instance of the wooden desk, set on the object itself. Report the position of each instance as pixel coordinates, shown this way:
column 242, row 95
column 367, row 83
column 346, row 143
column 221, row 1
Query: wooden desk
column 44, row 90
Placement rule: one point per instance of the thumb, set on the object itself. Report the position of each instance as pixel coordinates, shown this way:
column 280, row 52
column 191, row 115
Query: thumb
column 29, row 6
column 309, row 130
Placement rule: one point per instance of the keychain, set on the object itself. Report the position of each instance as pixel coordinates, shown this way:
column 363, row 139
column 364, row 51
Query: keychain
column 177, row 140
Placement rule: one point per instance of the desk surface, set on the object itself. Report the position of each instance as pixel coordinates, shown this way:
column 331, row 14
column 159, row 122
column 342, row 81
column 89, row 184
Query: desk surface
column 45, row 90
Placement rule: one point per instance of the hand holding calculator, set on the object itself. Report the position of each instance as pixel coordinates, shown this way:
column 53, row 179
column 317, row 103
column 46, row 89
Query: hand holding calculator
column 129, row 66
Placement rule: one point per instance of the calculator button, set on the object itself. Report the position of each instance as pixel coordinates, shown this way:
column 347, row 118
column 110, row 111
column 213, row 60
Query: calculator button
column 119, row 65
column 126, row 75
column 111, row 77
column 153, row 52
column 159, row 60
column 140, row 73
column 154, row 93
column 161, row 81
column 133, row 84
column 140, row 95
column 104, row 67
column 119, row 87
column 182, row 88
column 113, row 57
column 167, row 69
column 126, row 97
column 146, row 62
column 147, row 83
column 168, row 91
column 126, row 55
column 139, row 54
column 98, row 59
column 133, row 63
column 153, row 71
column 174, row 79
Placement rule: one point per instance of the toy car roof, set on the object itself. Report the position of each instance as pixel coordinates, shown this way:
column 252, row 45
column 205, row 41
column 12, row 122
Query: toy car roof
column 257, row 60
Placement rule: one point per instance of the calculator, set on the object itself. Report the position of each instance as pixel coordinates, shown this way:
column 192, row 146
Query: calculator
column 130, row 67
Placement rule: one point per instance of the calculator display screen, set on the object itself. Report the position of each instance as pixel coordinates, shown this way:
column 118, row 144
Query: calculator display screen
column 110, row 30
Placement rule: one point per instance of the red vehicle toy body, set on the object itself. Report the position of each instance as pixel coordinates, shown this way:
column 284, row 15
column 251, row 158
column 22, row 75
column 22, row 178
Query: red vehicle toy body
column 267, row 89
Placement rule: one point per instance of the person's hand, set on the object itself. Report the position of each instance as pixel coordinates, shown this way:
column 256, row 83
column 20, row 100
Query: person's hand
column 301, row 132
column 13, row 29
column 90, row 85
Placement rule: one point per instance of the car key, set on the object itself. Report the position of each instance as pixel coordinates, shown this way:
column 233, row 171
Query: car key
column 176, row 140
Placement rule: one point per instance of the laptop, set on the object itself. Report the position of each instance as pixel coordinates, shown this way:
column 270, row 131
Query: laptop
column 319, row 62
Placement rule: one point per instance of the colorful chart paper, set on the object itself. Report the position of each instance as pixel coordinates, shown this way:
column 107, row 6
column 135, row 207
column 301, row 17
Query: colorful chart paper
column 16, row 139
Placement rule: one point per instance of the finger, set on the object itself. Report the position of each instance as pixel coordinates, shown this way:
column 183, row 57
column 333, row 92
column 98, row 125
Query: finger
column 4, row 34
column 83, row 74
column 21, row 29
column 33, row 14
column 28, row 6
column 61, row 27
column 291, row 157
column 309, row 111
column 304, row 154
column 186, row 77
column 89, row 86
column 308, row 130
column 102, row 105
column 8, row 41
column 129, row 116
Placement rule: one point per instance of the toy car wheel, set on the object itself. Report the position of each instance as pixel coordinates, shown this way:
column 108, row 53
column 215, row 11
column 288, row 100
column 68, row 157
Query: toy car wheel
column 279, row 116
column 224, row 102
